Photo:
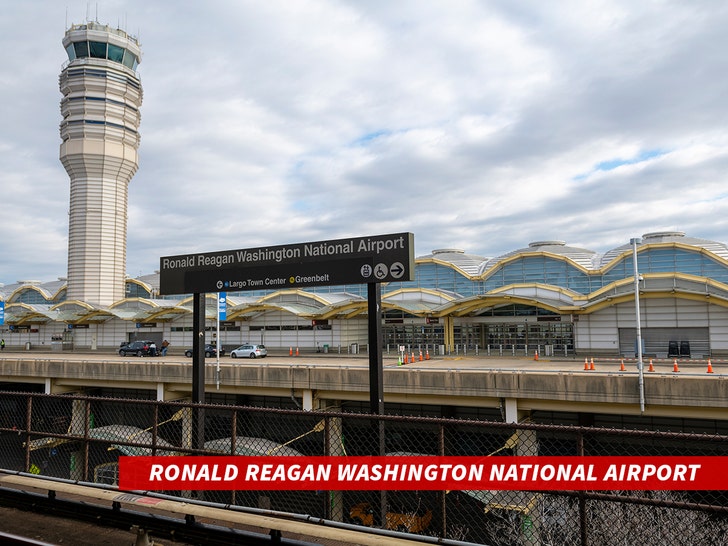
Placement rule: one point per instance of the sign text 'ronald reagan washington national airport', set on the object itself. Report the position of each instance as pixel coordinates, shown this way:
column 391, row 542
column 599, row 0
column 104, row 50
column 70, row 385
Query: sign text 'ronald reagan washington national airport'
column 358, row 260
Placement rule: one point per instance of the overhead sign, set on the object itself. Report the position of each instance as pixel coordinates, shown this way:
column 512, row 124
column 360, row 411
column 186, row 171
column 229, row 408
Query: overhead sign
column 358, row 260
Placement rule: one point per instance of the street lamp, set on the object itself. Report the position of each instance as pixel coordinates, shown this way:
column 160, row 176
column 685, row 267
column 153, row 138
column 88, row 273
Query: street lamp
column 640, row 366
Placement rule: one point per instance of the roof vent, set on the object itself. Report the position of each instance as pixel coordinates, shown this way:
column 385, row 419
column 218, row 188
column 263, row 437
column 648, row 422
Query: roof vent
column 659, row 234
column 448, row 251
column 547, row 243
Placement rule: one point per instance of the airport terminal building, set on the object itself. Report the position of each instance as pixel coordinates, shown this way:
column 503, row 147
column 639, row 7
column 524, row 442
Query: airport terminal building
column 547, row 297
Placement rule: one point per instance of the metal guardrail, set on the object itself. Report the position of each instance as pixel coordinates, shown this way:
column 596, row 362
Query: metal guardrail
column 80, row 438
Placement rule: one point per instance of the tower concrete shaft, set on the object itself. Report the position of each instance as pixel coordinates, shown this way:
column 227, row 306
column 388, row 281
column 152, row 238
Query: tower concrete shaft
column 102, row 95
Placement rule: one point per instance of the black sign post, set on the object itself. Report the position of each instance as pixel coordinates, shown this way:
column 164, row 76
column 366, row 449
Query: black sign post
column 198, row 369
column 376, row 365
column 357, row 260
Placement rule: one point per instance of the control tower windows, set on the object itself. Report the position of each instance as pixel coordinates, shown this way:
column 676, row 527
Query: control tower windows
column 102, row 50
column 116, row 53
column 97, row 49
column 81, row 49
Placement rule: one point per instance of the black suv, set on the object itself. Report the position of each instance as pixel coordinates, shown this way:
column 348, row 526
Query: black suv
column 210, row 351
column 136, row 348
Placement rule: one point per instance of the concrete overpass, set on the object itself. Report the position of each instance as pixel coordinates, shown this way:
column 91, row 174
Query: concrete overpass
column 514, row 386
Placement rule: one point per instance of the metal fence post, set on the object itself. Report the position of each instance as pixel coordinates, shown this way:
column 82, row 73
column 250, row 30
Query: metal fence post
column 583, row 532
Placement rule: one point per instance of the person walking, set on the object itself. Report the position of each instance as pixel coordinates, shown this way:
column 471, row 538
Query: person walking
column 165, row 345
column 2, row 344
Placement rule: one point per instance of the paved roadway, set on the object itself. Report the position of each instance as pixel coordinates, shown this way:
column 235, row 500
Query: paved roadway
column 464, row 362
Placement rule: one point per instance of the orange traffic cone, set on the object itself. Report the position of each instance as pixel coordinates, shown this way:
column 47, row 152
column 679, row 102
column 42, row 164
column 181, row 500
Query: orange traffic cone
column 413, row 357
column 420, row 355
column 290, row 351
column 621, row 365
column 710, row 367
column 651, row 368
column 535, row 355
column 296, row 351
column 405, row 358
column 586, row 364
column 591, row 364
column 674, row 366
column 427, row 354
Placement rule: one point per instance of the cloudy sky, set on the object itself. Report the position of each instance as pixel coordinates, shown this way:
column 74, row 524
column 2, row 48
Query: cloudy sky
column 480, row 125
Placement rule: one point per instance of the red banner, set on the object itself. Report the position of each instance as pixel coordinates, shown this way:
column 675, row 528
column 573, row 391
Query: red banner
column 423, row 473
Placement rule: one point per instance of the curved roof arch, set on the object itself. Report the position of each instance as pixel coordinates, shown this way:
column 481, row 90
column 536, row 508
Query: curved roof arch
column 549, row 298
column 440, row 275
column 148, row 310
column 296, row 296
column 582, row 258
column 50, row 292
column 660, row 264
column 479, row 304
column 538, row 267
column 245, row 312
column 658, row 286
column 140, row 288
column 345, row 310
column 455, row 258
column 73, row 305
column 660, row 237
column 17, row 295
column 79, row 312
column 417, row 301
column 26, row 313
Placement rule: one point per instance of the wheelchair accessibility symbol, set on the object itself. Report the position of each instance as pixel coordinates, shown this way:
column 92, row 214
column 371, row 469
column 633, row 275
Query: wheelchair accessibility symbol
column 380, row 271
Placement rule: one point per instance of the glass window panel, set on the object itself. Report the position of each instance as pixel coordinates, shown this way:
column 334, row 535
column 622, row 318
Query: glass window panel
column 81, row 49
column 71, row 52
column 98, row 50
column 116, row 53
column 129, row 60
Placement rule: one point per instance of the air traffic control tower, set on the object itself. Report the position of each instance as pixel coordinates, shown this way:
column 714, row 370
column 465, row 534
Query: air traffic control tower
column 102, row 95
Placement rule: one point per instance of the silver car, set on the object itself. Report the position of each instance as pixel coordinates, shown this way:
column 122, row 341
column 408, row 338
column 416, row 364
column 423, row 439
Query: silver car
column 249, row 350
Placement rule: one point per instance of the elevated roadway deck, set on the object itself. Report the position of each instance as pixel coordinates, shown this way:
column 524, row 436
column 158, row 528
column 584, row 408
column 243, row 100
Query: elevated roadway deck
column 516, row 384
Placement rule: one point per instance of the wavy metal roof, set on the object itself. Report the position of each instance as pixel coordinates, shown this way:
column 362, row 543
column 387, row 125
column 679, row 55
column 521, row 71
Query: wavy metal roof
column 719, row 249
column 581, row 256
column 469, row 263
column 420, row 301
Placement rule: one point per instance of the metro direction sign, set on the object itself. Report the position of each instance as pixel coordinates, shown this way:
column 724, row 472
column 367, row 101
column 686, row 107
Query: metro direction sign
column 357, row 260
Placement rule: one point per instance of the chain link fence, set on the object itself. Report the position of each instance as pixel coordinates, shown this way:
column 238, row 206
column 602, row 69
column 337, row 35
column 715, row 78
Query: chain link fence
column 81, row 438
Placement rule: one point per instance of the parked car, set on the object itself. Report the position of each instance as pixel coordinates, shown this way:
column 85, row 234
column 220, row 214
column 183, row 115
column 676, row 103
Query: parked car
column 210, row 351
column 249, row 350
column 136, row 348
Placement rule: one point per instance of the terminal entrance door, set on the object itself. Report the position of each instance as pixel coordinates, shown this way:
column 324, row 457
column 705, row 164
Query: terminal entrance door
column 413, row 335
column 527, row 337
column 519, row 337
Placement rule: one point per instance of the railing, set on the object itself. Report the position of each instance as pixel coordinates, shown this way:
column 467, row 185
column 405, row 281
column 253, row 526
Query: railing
column 81, row 438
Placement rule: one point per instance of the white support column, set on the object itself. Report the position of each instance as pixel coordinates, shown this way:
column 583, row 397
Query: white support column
column 510, row 408
column 308, row 400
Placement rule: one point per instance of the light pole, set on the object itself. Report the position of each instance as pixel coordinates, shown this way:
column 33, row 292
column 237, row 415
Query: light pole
column 640, row 364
